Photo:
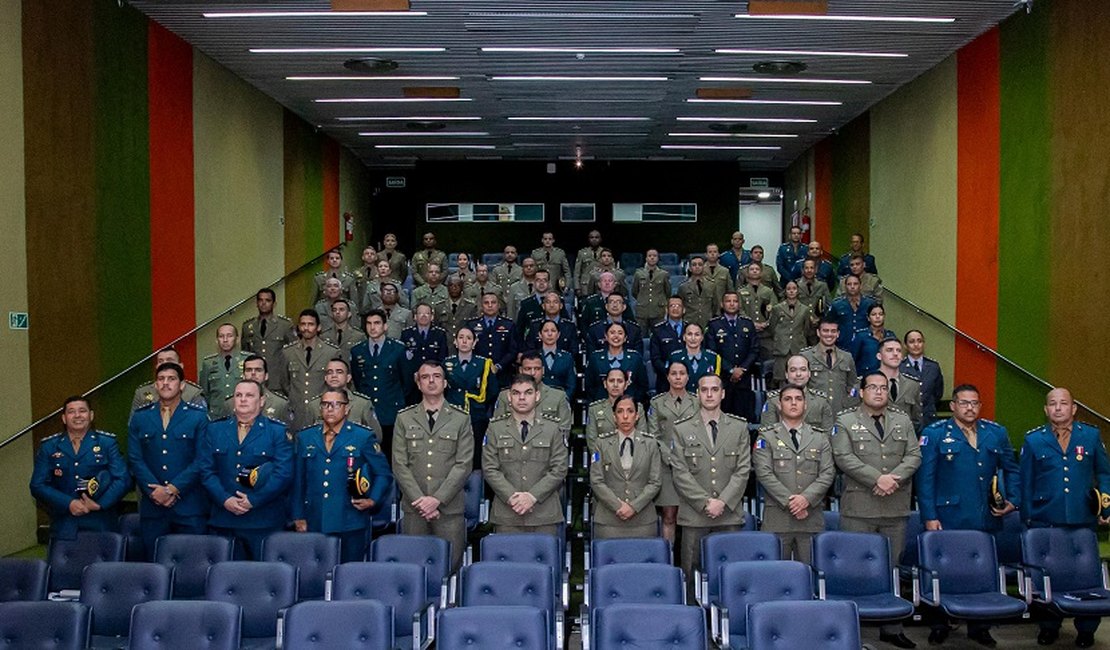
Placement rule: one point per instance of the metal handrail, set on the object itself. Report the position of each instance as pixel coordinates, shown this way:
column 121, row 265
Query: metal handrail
column 56, row 412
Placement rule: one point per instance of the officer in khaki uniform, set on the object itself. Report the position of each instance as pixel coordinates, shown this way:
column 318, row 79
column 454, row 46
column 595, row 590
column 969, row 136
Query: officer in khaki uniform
column 509, row 270
column 334, row 261
column 794, row 463
column 600, row 423
column 832, row 369
column 432, row 447
column 524, row 460
column 482, row 285
column 699, row 294
column 221, row 371
column 360, row 409
column 651, row 287
column 553, row 403
column 274, row 405
column 552, row 259
column 398, row 262
column 432, row 292
column 422, row 258
column 343, row 334
column 819, row 412
column 625, row 476
column 584, row 263
column 667, row 408
column 147, row 393
column 790, row 323
column 300, row 374
column 905, row 391
column 712, row 463
column 365, row 273
column 267, row 333
column 456, row 310
column 756, row 302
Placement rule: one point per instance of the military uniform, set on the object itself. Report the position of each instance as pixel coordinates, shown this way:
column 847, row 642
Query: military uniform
column 452, row 315
column 471, row 386
column 495, row 339
column 785, row 470
column 825, row 272
column 396, row 320
column 323, row 310
column 839, row 382
column 506, row 274
column 865, row 349
column 756, row 303
column 474, row 292
column 363, row 276
column 789, row 328
column 596, row 338
column 819, row 412
column 703, row 470
column 909, row 398
column 788, row 254
column 721, row 279
column 218, row 375
column 651, row 288
column 568, row 335
column 320, row 478
column 553, row 405
column 735, row 263
column 423, row 346
column 344, row 339
column 662, row 414
column 701, row 300
column 371, row 297
column 601, row 423
column 398, row 264
column 518, row 292
column 584, row 263
column 932, row 383
column 844, row 267
column 738, row 344
column 592, row 309
column 420, row 261
column 1056, row 486
column 434, row 461
column 863, row 455
column 267, row 340
column 851, row 319
column 163, row 455
column 361, row 412
column 528, row 310
column 815, row 294
column 537, row 465
column 704, row 364
column 429, row 295
column 554, row 261
column 384, row 378
column 190, row 392
column 58, row 469
column 618, row 275
column 301, row 377
column 622, row 473
column 954, row 482
column 221, row 460
column 666, row 337
column 346, row 279
column 769, row 279
column 600, row 363
column 559, row 371
column 274, row 406
column 870, row 286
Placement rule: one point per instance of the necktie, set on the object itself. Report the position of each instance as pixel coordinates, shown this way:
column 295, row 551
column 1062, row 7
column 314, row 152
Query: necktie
column 651, row 274
column 614, row 362
column 917, row 366
column 713, row 432
column 628, row 447
column 699, row 287
column 339, row 337
column 828, row 358
column 879, row 425
column 549, row 357
column 308, row 356
column 454, row 308
column 678, row 329
column 375, row 353
column 794, row 439
column 389, row 256
column 423, row 335
column 678, row 401
column 166, row 415
column 893, row 389
column 431, row 419
column 694, row 365
column 809, row 285
column 262, row 328
column 548, row 255
column 227, row 362
column 489, row 323
column 524, row 432
column 462, row 364
column 530, row 290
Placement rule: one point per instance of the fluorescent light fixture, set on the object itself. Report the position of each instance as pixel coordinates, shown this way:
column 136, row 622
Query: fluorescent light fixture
column 412, row 118
column 578, row 119
column 763, row 195
column 726, row 147
column 578, row 134
column 789, row 80
column 435, row 146
column 344, row 50
column 389, row 100
column 569, row 78
column 874, row 55
column 371, row 78
column 585, row 50
column 599, row 14
column 767, row 120
column 404, row 134
column 310, row 14
column 732, row 135
column 851, row 19
column 778, row 102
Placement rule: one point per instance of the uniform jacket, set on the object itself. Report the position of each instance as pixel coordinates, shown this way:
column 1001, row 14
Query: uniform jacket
column 909, row 399
column 708, row 363
column 496, row 342
column 279, row 333
column 737, row 344
column 591, row 309
column 320, row 495
column 397, row 319
column 383, row 378
column 850, row 320
column 638, row 486
column 420, row 261
column 817, row 296
column 345, row 340
column 159, row 456
column 789, row 331
column 559, row 371
column 433, row 462
column 662, row 415
column 599, row 364
column 840, row 382
column 584, row 263
column 819, row 412
column 862, row 456
column 553, row 261
column 222, row 457
column 787, row 255
column 146, row 395
column 703, row 470
column 472, row 388
column 932, row 384
column 825, row 272
column 731, row 261
column 595, row 335
column 865, row 348
column 600, row 422
column 954, row 482
column 553, row 406
column 665, row 339
column 568, row 335
column 422, row 347
column 346, row 279
column 218, row 383
column 301, row 378
column 361, row 412
column 784, row 471
column 398, row 264
column 274, row 406
column 1056, row 486
column 651, row 288
column 451, row 321
column 57, row 470
column 537, row 465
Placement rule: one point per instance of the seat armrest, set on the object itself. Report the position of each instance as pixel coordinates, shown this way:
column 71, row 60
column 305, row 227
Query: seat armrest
column 584, row 623
column 279, row 637
column 820, row 585
column 560, row 631
column 1103, row 566
column 447, row 592
column 701, row 588
column 718, row 623
column 424, row 620
column 566, row 590
column 895, row 583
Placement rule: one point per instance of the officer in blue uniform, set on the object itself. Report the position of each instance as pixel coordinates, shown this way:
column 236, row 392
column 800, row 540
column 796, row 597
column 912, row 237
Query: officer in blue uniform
column 735, row 339
column 558, row 365
column 495, row 337
column 331, row 459
column 531, row 306
column 866, row 342
column 1063, row 467
column 553, row 311
column 164, row 440
column 958, row 482
column 246, row 465
column 789, row 254
column 850, row 312
column 666, row 337
column 699, row 362
column 616, row 355
column 614, row 308
column 825, row 269
column 471, row 384
column 79, row 474
column 856, row 248
column 378, row 368
column 424, row 340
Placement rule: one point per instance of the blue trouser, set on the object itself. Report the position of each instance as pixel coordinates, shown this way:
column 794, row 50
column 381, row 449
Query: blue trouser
column 154, row 527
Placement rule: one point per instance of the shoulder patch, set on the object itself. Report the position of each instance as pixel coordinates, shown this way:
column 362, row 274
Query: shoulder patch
column 549, row 417
column 105, row 433
column 355, row 392
column 774, row 393
column 766, row 427
column 330, row 345
column 808, row 348
column 913, row 379
column 311, row 426
column 599, row 402
column 1034, row 430
column 150, row 406
column 277, row 393
column 818, row 393
column 284, row 318
column 989, row 421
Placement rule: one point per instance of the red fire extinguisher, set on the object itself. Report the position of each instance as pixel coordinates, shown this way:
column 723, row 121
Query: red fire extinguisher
column 348, row 226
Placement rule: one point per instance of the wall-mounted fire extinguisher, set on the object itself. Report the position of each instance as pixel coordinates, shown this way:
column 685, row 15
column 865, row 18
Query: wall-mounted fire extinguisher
column 348, row 226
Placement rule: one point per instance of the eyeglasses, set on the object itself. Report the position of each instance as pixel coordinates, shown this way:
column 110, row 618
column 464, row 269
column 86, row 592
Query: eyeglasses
column 877, row 388
column 965, row 403
column 333, row 405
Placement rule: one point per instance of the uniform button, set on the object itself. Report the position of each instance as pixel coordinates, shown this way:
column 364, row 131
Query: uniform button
column 238, row 466
column 165, row 451
column 980, row 464
column 163, row 436
column 1065, row 489
column 164, row 467
column 712, row 458
column 1065, row 468
column 326, row 472
column 429, row 465
column 712, row 470
column 429, row 452
column 325, row 483
column 239, row 453
column 713, row 481
column 325, row 495
column 1065, row 479
column 327, row 460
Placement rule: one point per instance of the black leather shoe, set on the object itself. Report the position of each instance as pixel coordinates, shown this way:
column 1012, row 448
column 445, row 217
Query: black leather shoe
column 938, row 635
column 899, row 640
column 1084, row 639
column 1047, row 636
column 982, row 637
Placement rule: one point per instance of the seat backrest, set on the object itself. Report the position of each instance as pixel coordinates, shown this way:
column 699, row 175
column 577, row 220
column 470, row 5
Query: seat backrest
column 130, row 526
column 465, row 628
column 23, row 579
column 492, row 259
column 260, row 588
column 351, row 624
column 314, row 554
column 69, row 557
column 908, row 556
column 522, row 547
column 401, row 586
column 854, row 564
column 744, row 583
column 832, row 519
column 964, row 559
column 718, row 549
column 631, row 261
column 828, row 625
column 668, row 259
column 185, row 625
column 650, row 627
column 190, row 557
column 1007, row 541
column 432, row 553
column 44, row 624
column 111, row 589
column 508, row 583
column 1070, row 556
column 472, row 500
column 647, row 550
column 641, row 584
